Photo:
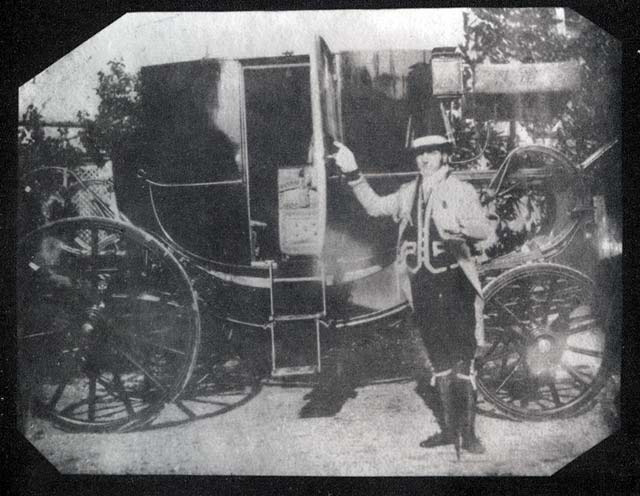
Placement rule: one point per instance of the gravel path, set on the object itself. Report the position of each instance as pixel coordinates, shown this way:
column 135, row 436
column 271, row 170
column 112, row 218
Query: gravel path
column 374, row 433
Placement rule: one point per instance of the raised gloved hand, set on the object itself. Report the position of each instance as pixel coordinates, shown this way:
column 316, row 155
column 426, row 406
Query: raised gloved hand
column 344, row 158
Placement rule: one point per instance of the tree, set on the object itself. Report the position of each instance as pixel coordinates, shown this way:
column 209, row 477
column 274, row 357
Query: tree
column 579, row 122
column 112, row 133
column 591, row 116
column 114, row 130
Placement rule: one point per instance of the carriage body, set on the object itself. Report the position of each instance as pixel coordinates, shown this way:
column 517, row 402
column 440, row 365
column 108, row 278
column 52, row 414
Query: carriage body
column 231, row 196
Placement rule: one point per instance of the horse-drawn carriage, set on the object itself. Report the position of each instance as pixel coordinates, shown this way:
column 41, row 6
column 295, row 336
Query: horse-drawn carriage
column 238, row 225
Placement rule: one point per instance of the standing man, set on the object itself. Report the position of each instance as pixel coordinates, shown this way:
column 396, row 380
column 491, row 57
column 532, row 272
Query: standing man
column 440, row 218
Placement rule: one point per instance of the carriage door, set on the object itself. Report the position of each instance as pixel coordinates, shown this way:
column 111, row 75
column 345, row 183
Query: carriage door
column 327, row 125
column 278, row 131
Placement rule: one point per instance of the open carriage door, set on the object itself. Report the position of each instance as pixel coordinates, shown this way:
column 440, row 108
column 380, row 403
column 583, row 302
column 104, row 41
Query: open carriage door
column 302, row 198
column 303, row 209
column 328, row 89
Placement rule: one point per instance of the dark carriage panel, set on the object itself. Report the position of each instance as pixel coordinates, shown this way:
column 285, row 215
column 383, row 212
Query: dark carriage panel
column 191, row 121
column 206, row 220
column 191, row 133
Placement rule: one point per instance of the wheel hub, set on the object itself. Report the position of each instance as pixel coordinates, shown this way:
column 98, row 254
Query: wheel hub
column 92, row 323
column 544, row 351
column 544, row 346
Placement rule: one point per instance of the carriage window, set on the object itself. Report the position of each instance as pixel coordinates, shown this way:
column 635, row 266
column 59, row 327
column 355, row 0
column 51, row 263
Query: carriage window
column 278, row 116
column 192, row 121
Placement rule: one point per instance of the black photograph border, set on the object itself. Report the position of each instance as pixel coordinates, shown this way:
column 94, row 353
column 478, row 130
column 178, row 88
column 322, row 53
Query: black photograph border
column 35, row 37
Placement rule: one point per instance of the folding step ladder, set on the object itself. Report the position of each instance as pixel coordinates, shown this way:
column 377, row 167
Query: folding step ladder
column 297, row 305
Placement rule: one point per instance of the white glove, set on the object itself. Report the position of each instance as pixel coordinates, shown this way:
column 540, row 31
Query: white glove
column 344, row 158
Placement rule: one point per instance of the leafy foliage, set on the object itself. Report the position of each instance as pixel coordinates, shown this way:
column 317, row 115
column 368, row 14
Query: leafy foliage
column 579, row 123
column 590, row 117
column 114, row 130
column 112, row 133
column 37, row 150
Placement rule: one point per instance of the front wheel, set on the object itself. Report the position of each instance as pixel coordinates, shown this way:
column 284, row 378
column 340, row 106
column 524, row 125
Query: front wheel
column 547, row 356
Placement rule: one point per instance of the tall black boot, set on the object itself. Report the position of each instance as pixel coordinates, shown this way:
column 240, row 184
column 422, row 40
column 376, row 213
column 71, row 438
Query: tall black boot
column 470, row 442
column 445, row 415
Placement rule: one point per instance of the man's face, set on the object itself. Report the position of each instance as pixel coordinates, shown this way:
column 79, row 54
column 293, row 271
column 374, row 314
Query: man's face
column 429, row 161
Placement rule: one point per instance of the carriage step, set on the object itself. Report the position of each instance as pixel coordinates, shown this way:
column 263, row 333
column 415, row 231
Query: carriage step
column 291, row 371
column 297, row 295
column 295, row 347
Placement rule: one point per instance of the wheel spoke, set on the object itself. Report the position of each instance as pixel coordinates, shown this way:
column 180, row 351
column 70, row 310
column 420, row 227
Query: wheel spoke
column 504, row 356
column 503, row 364
column 488, row 357
column 92, row 398
column 123, row 394
column 554, row 393
column 166, row 305
column 504, row 307
column 159, row 345
column 585, row 351
column 107, row 240
column 86, row 248
column 148, row 374
column 185, row 409
column 506, row 379
column 46, row 333
column 580, row 325
column 551, row 290
column 505, row 340
column 491, row 349
column 58, row 394
column 117, row 391
column 574, row 373
column 570, row 291
column 141, row 339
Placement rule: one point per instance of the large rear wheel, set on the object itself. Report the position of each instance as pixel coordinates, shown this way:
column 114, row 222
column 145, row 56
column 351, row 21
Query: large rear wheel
column 108, row 324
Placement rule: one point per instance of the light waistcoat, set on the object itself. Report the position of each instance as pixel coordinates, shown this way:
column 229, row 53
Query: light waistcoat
column 450, row 201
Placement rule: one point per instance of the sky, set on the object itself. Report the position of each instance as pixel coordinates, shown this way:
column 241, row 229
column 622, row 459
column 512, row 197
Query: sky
column 141, row 39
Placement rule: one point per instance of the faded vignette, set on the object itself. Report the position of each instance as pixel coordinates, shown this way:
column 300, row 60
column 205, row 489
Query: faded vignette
column 195, row 272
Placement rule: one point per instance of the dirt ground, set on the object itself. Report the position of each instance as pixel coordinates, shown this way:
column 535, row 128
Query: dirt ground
column 372, row 428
